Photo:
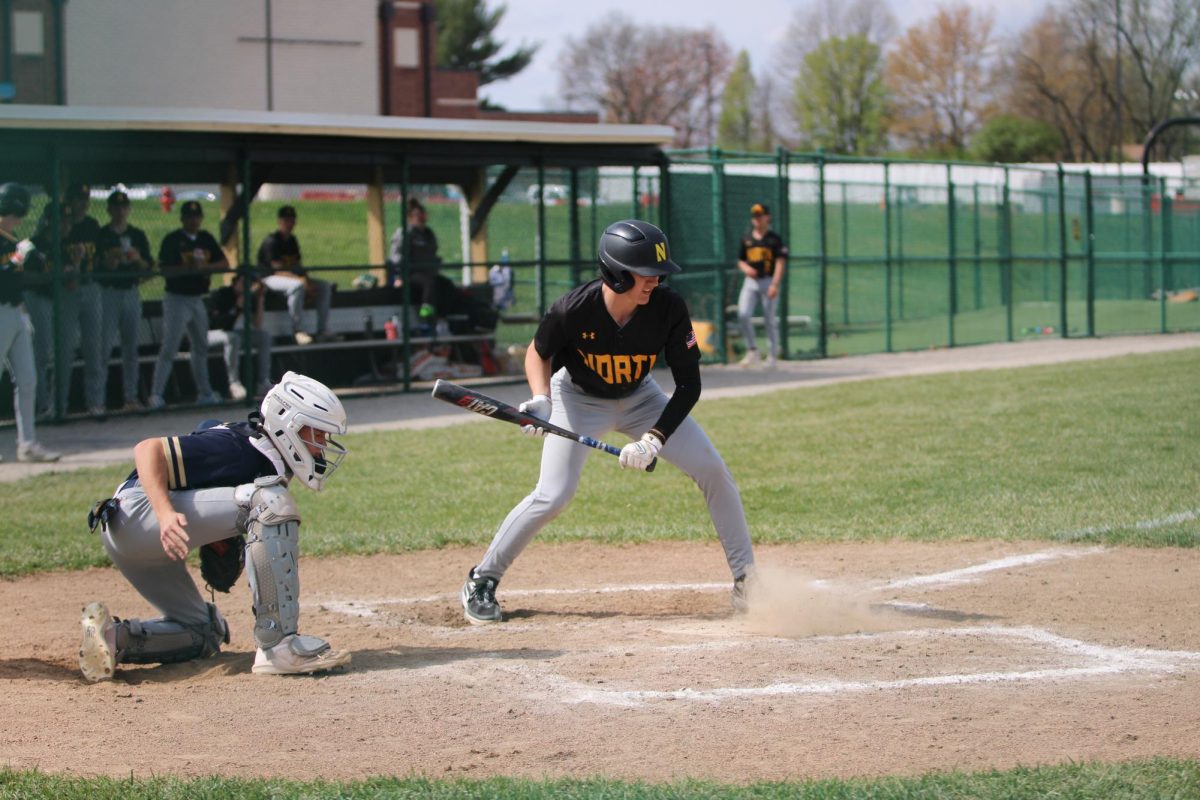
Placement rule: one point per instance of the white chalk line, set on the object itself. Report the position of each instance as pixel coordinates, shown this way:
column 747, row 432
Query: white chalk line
column 1111, row 661
column 1140, row 525
column 370, row 607
column 968, row 574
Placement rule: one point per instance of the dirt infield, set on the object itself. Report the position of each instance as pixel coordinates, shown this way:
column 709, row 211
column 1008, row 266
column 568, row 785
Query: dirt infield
column 861, row 659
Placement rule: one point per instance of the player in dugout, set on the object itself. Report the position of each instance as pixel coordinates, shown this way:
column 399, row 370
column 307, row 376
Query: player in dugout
column 589, row 370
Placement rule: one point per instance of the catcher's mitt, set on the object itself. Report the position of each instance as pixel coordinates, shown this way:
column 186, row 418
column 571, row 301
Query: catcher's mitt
column 221, row 562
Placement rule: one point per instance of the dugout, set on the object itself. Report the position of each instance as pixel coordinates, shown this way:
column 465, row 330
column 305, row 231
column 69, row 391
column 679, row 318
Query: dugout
column 477, row 177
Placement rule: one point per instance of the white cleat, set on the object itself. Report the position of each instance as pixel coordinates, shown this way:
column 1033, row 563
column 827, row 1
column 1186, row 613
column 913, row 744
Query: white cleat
column 34, row 453
column 98, row 650
column 299, row 655
column 750, row 359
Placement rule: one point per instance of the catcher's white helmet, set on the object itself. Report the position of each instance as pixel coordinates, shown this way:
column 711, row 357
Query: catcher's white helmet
column 299, row 402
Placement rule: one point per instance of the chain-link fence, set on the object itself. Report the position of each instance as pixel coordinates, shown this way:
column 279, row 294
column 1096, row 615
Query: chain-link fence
column 888, row 256
column 884, row 256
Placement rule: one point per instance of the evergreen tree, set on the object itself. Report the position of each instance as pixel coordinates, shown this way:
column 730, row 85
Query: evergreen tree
column 465, row 40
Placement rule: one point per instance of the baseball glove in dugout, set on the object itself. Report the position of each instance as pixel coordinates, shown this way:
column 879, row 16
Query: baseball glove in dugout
column 221, row 562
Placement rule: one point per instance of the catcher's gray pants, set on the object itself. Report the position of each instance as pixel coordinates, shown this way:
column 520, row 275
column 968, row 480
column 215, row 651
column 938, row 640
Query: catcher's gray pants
column 16, row 355
column 122, row 318
column 132, row 542
column 183, row 312
column 562, row 461
column 231, row 344
column 754, row 291
column 294, row 290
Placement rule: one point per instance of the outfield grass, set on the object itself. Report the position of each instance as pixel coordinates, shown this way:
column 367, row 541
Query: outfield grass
column 1159, row 779
column 1036, row 453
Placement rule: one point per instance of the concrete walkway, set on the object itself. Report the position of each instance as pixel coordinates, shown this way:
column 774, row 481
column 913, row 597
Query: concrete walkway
column 87, row 443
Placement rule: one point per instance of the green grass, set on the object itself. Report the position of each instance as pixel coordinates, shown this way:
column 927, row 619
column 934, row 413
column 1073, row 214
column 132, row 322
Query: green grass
column 1032, row 453
column 1158, row 779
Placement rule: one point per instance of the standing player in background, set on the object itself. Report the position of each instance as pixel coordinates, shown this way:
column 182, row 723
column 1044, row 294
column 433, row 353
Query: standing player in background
column 122, row 248
column 282, row 269
column 53, row 343
column 16, row 345
column 81, row 247
column 212, row 487
column 762, row 258
column 225, row 330
column 589, row 370
column 187, row 258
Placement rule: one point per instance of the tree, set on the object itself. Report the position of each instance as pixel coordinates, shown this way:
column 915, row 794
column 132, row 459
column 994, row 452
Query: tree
column 736, row 129
column 1103, row 79
column 939, row 80
column 635, row 73
column 464, row 40
column 840, row 100
column 1010, row 139
column 818, row 22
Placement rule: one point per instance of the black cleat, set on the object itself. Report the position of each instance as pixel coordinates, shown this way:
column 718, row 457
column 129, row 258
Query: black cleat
column 479, row 600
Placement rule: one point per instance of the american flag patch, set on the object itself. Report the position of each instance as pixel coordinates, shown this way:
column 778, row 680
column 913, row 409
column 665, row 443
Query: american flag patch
column 691, row 339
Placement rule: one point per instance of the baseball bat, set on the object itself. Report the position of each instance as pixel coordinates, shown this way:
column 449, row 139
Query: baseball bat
column 9, row 236
column 480, row 403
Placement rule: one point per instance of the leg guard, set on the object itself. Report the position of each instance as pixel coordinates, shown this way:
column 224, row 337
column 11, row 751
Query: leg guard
column 165, row 641
column 272, row 542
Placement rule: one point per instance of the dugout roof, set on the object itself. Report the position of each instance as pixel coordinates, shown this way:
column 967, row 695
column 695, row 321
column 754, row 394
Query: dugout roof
column 144, row 145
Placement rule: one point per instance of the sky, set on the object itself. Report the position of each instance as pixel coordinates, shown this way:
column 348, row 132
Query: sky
column 760, row 32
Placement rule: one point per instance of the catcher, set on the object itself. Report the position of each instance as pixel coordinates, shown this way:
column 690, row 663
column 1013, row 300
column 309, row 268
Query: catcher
column 222, row 489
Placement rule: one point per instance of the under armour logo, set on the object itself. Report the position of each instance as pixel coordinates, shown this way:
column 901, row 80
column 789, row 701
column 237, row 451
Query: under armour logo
column 589, row 335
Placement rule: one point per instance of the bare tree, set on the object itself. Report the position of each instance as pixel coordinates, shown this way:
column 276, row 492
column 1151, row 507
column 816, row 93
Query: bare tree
column 1104, row 72
column 638, row 74
column 939, row 79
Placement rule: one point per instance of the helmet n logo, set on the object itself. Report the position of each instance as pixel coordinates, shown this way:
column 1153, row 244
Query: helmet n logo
column 660, row 251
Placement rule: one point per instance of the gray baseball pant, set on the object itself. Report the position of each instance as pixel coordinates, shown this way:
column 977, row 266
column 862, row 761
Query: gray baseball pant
column 562, row 462
column 132, row 542
column 16, row 355
column 180, row 312
column 122, row 317
column 754, row 291
column 293, row 290
column 54, row 346
column 231, row 346
column 91, row 345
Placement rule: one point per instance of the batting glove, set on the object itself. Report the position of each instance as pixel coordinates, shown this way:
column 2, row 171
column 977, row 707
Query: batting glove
column 538, row 406
column 641, row 454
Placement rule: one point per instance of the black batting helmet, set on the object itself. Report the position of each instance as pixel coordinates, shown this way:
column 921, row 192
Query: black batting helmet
column 14, row 200
column 633, row 246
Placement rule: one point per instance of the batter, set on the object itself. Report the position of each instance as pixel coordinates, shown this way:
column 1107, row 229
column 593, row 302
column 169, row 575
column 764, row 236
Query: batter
column 589, row 369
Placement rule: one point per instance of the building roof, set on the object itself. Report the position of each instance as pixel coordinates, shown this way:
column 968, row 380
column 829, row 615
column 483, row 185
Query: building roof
column 233, row 121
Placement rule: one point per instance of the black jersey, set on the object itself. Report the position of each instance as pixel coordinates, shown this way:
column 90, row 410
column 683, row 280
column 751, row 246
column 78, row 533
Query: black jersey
column 761, row 253
column 111, row 256
column 180, row 250
column 609, row 361
column 284, row 249
column 80, row 244
column 226, row 455
column 10, row 274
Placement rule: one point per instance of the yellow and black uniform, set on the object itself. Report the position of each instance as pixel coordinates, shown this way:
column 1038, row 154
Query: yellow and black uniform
column 605, row 360
column 111, row 248
column 180, row 250
column 10, row 274
column 762, row 253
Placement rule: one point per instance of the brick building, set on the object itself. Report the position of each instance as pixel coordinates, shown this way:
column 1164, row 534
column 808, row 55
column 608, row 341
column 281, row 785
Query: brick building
column 366, row 57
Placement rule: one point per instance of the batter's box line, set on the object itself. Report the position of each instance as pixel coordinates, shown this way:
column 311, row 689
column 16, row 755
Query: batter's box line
column 1112, row 661
column 369, row 607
